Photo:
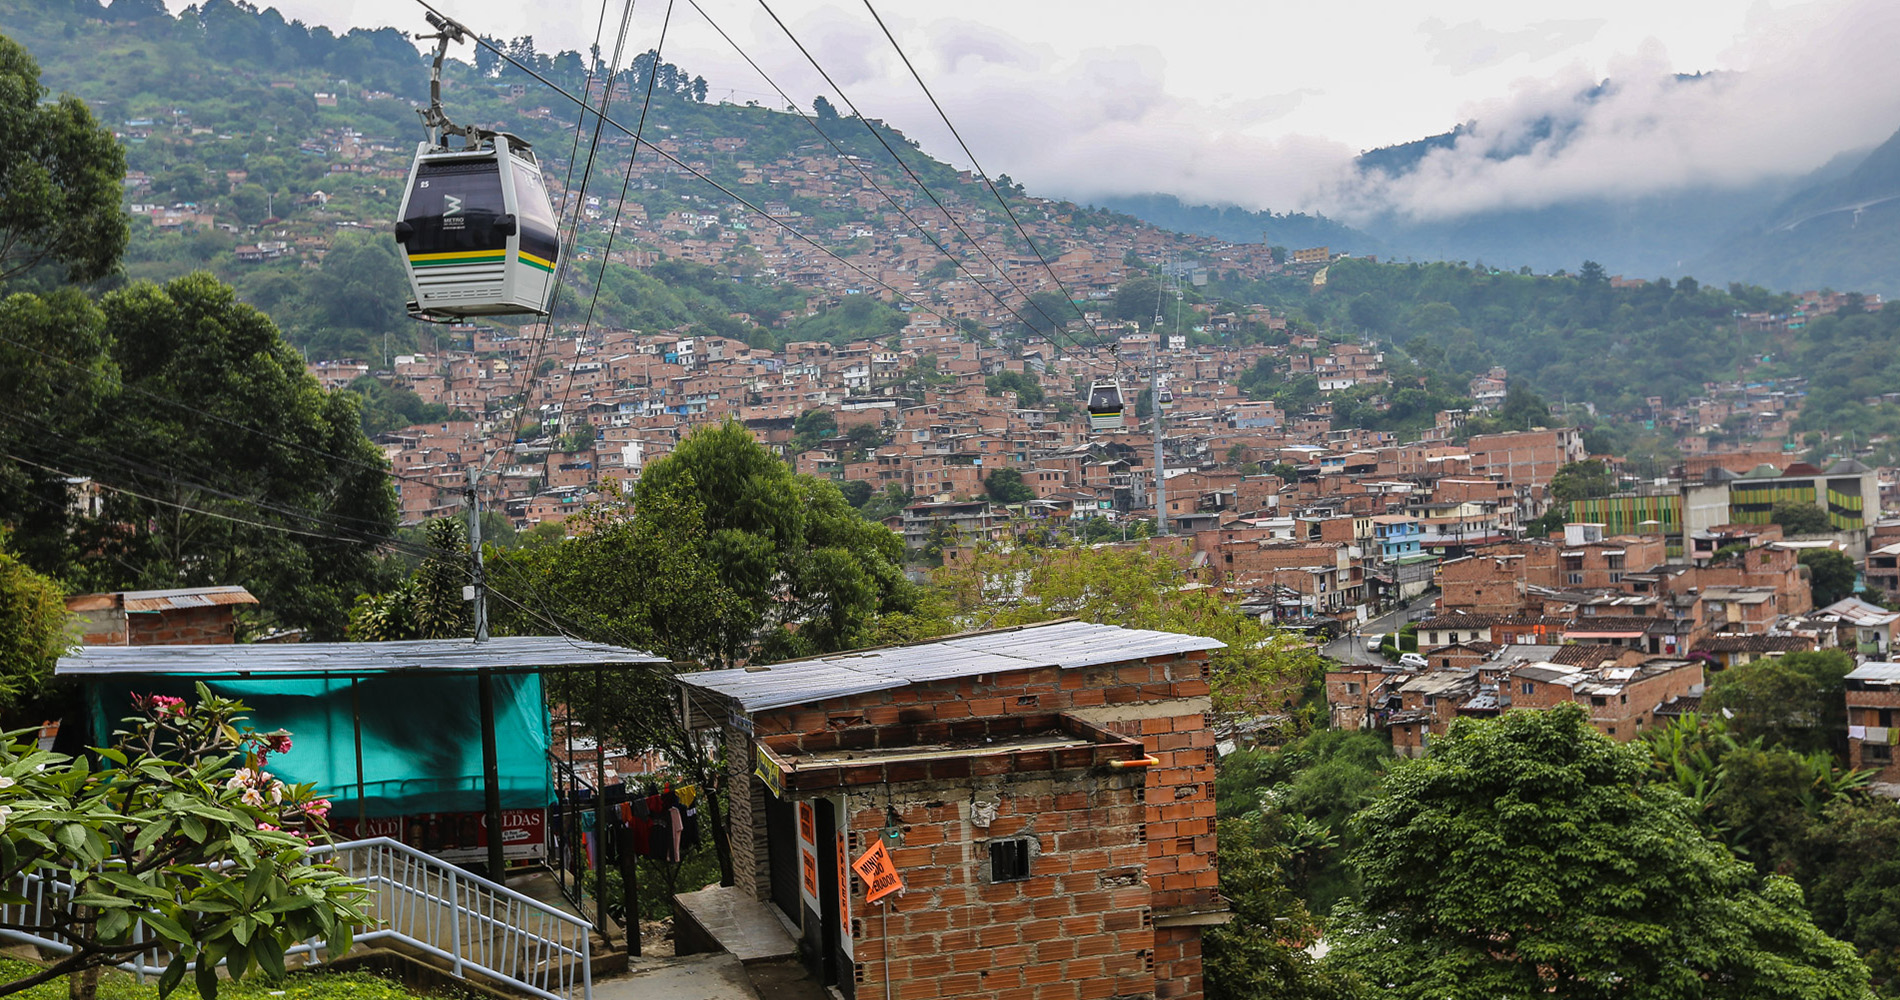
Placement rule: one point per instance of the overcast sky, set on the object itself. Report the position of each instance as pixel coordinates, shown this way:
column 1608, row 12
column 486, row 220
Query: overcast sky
column 1263, row 103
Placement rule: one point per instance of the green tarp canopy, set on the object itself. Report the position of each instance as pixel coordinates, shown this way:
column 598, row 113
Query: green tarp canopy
column 415, row 706
column 422, row 746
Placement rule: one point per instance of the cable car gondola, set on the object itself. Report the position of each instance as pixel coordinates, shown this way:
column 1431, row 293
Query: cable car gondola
column 1164, row 395
column 1105, row 407
column 477, row 230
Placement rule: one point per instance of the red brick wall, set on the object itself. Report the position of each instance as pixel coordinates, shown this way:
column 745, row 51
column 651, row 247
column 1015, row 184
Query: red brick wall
column 1078, row 938
column 185, row 626
column 1077, row 928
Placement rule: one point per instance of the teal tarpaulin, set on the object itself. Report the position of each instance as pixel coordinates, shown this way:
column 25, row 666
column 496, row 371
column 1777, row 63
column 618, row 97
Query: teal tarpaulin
column 422, row 737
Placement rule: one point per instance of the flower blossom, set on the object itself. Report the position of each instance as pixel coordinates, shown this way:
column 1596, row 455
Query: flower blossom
column 5, row 811
column 253, row 797
column 6, row 782
column 244, row 778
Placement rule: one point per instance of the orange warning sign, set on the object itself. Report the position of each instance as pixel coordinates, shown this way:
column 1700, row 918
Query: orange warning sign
column 879, row 874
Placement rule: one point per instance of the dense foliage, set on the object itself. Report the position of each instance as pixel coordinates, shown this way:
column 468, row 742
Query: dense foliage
column 1526, row 856
column 181, row 827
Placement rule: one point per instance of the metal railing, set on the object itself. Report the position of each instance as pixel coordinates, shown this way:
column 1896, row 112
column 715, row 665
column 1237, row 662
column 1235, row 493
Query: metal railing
column 417, row 903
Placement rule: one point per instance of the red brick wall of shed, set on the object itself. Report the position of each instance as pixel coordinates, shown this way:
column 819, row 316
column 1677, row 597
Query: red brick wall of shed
column 186, row 626
column 1077, row 929
column 1180, row 789
column 1177, row 958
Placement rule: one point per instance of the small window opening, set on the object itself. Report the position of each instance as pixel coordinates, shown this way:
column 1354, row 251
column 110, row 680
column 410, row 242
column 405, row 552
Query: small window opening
column 1009, row 860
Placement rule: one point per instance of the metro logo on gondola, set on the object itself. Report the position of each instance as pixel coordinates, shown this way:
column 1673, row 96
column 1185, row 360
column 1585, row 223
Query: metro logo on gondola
column 452, row 205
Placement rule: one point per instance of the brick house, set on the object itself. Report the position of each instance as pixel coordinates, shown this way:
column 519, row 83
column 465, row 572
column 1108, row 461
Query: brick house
column 1873, row 719
column 197, row 616
column 1046, row 794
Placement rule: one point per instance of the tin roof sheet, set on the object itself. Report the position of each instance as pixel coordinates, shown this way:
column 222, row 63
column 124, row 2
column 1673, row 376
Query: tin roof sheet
column 341, row 659
column 1067, row 645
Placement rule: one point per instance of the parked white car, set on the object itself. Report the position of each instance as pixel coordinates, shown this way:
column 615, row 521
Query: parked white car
column 1413, row 660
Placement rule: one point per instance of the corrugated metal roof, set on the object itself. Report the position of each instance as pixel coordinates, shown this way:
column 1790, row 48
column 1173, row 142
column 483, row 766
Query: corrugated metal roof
column 333, row 659
column 1886, row 672
column 196, row 597
column 1062, row 644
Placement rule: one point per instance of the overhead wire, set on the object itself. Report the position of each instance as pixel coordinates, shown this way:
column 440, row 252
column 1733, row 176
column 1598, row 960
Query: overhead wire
column 687, row 168
column 578, row 200
column 868, row 177
column 226, row 421
column 613, row 230
column 897, row 158
column 1000, row 200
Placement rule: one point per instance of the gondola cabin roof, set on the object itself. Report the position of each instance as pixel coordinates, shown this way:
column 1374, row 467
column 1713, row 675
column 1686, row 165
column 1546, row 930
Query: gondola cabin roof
column 504, row 654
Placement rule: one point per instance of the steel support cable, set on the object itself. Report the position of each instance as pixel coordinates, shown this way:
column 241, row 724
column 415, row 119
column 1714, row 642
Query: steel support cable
column 106, row 456
column 862, row 172
column 389, row 541
column 715, row 185
column 905, row 166
column 901, row 54
column 606, row 256
column 578, row 198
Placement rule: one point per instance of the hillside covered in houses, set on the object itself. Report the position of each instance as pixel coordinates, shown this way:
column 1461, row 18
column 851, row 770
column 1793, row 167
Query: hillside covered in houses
column 803, row 460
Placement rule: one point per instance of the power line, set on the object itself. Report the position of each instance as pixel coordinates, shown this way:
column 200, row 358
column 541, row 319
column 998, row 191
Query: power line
column 905, row 166
column 579, row 199
column 266, row 435
column 606, row 254
column 1000, row 200
column 869, row 178
column 715, row 185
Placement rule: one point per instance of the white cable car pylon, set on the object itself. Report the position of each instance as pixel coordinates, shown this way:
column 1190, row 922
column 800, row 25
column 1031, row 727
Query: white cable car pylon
column 477, row 230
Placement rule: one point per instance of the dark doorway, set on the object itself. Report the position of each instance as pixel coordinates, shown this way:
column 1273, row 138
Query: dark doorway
column 781, row 852
column 837, row 969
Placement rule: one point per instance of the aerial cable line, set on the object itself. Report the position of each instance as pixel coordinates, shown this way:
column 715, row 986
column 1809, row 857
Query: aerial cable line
column 715, row 185
column 869, row 178
column 905, row 166
column 389, row 542
column 578, row 200
column 974, row 163
column 606, row 255
column 240, row 425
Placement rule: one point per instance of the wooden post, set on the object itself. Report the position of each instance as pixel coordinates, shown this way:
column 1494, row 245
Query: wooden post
column 491, row 777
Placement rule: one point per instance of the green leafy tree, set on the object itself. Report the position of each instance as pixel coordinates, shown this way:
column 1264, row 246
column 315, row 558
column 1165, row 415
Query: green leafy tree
column 1006, row 485
column 1262, row 951
column 1831, row 575
column 32, row 627
column 814, row 574
column 180, row 827
column 1525, row 856
column 428, row 604
column 221, row 444
column 1849, row 863
column 60, row 177
column 1261, row 670
column 1796, row 700
column 811, row 427
column 1800, row 519
column 1581, row 481
column 1028, row 391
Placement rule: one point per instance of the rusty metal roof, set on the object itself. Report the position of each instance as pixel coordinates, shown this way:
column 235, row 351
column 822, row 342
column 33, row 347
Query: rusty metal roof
column 161, row 600
column 194, row 597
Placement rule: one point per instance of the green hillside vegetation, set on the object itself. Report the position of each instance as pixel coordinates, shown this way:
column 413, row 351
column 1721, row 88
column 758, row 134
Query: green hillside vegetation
column 239, row 85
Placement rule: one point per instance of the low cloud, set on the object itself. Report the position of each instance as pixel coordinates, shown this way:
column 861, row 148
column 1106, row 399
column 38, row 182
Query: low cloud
column 1810, row 83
